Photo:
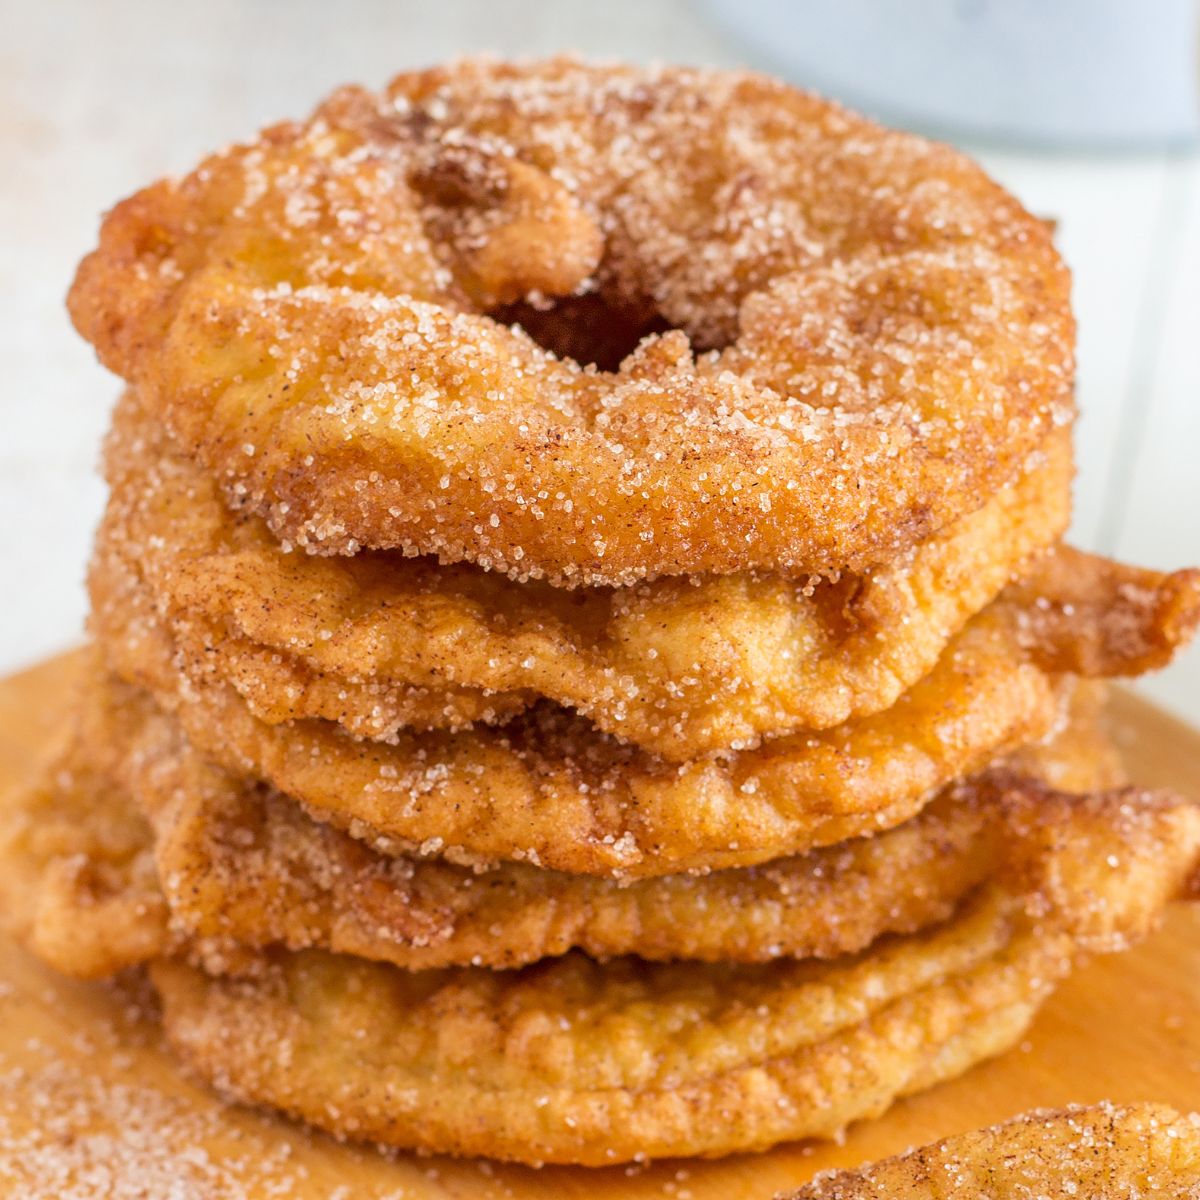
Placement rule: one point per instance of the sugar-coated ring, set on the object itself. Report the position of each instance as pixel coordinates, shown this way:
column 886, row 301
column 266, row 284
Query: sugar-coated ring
column 813, row 342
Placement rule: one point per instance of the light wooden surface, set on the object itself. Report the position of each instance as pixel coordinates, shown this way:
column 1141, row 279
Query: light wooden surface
column 98, row 99
column 85, row 1085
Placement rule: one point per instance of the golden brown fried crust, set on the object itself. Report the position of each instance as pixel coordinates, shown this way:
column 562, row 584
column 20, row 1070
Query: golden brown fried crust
column 575, row 1062
column 547, row 788
column 859, row 347
column 526, row 1065
column 1079, row 755
column 1103, row 1152
column 681, row 667
column 571, row 1061
column 242, row 866
column 78, row 880
column 1090, row 616
column 127, row 807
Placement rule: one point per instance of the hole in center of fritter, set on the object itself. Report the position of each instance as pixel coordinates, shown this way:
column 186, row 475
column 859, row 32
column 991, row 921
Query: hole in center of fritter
column 589, row 329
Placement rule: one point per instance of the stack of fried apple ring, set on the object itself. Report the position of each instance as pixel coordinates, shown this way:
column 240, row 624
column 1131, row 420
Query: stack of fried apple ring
column 584, row 665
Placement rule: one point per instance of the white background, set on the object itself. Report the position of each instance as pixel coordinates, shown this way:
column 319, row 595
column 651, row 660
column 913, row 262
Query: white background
column 100, row 96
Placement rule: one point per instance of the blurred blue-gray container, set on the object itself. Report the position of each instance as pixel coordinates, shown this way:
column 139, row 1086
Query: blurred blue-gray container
column 1095, row 73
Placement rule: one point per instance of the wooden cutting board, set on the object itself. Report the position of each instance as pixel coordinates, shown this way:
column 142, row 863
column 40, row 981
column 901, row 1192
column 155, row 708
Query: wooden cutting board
column 90, row 1101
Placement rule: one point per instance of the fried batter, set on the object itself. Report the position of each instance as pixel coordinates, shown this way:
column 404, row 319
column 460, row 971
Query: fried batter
column 584, row 665
column 1091, row 616
column 1139, row 1152
column 853, row 336
column 572, row 1061
column 576, row 1061
column 243, row 866
column 78, row 880
column 680, row 667
column 548, row 789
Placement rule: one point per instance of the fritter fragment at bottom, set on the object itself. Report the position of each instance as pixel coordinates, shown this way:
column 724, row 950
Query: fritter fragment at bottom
column 1105, row 1152
column 581, row 1062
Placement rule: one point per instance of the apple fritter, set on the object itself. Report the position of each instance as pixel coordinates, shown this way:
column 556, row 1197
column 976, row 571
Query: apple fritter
column 549, row 789
column 1102, row 1152
column 853, row 336
column 242, row 866
column 575, row 1061
column 680, row 666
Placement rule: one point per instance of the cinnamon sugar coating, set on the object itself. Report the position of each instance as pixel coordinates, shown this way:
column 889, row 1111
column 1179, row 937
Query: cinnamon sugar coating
column 585, row 668
column 571, row 1060
column 549, row 789
column 1102, row 1152
column 678, row 666
column 574, row 1061
column 852, row 337
column 166, row 853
